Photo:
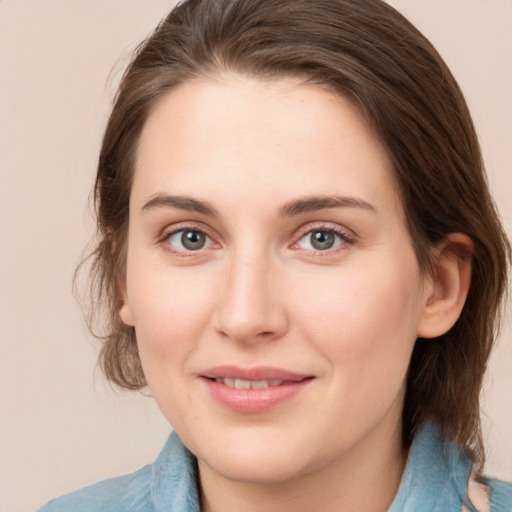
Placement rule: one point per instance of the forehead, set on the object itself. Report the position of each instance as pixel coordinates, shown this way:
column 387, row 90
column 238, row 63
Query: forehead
column 281, row 137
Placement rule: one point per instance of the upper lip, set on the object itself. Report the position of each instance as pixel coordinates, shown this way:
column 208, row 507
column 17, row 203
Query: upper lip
column 254, row 374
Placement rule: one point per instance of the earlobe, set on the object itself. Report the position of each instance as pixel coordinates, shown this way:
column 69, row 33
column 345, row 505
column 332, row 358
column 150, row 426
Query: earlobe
column 447, row 286
column 126, row 314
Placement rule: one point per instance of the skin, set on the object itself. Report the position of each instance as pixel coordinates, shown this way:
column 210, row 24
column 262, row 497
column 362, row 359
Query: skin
column 260, row 294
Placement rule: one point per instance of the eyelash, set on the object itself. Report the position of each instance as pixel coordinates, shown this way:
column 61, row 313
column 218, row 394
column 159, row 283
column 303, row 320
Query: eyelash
column 344, row 238
column 164, row 240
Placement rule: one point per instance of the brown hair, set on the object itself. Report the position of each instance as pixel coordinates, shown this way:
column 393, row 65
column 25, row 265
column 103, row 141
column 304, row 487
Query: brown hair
column 367, row 52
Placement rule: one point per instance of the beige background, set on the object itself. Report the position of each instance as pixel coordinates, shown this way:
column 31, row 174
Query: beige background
column 61, row 426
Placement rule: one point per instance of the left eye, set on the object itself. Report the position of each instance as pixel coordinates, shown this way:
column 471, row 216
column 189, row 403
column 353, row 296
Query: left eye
column 320, row 240
column 189, row 240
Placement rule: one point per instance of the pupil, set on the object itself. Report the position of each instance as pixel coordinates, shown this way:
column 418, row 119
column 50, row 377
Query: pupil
column 322, row 240
column 193, row 240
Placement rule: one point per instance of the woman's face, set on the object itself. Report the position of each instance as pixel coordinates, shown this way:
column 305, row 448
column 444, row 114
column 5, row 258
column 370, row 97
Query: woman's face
column 270, row 277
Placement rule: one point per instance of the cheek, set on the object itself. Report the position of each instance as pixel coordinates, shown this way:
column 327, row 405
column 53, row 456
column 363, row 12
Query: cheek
column 170, row 312
column 169, row 308
column 366, row 317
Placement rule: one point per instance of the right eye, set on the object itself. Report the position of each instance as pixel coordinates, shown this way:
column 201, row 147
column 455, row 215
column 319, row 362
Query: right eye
column 187, row 240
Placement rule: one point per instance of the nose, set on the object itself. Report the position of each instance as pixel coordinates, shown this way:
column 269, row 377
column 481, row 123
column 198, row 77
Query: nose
column 250, row 306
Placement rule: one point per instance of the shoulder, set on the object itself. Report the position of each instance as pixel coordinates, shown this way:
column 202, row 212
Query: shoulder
column 488, row 495
column 128, row 493
column 438, row 476
column 500, row 499
column 170, row 483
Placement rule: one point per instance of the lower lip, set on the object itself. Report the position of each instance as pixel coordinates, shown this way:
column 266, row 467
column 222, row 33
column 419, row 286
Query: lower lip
column 254, row 400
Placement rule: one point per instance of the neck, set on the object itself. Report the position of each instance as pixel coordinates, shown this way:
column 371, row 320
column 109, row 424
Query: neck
column 365, row 480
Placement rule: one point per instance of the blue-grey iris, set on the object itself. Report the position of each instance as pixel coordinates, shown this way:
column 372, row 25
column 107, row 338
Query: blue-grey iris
column 193, row 240
column 322, row 240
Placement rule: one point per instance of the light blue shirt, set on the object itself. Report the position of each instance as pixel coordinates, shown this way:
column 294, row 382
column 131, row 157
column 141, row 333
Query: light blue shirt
column 435, row 480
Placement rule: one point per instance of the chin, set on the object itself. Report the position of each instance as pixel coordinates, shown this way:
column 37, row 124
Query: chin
column 257, row 457
column 258, row 470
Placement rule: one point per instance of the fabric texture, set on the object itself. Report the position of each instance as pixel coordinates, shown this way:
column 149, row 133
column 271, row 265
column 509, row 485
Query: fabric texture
column 437, row 478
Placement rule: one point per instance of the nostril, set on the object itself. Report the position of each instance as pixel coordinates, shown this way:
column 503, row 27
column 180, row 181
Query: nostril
column 265, row 334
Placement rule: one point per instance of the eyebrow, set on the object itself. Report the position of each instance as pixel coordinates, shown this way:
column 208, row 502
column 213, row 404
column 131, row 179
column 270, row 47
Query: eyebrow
column 188, row 204
column 299, row 206
column 314, row 203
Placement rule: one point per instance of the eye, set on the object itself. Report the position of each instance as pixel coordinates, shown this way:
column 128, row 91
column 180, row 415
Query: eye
column 321, row 240
column 189, row 240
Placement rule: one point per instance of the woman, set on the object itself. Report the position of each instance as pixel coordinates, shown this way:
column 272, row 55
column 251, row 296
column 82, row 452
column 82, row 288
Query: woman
column 301, row 260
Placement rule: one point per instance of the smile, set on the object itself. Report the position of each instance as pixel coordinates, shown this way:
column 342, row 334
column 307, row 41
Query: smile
column 248, row 384
column 254, row 390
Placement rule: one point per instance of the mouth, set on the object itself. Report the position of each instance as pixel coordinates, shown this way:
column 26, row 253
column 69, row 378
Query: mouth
column 249, row 384
column 254, row 390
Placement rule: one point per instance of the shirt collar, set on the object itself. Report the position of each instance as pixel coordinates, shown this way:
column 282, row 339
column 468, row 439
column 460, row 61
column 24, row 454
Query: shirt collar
column 436, row 475
column 174, row 479
column 435, row 478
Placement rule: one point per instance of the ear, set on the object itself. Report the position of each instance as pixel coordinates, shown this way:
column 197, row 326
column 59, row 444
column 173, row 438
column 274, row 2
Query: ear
column 126, row 315
column 125, row 312
column 447, row 286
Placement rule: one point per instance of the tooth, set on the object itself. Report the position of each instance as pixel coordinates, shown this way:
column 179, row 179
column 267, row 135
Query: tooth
column 259, row 384
column 242, row 384
column 230, row 383
column 248, row 384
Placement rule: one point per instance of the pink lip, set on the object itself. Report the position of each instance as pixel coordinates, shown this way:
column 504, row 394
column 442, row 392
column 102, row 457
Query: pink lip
column 254, row 400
